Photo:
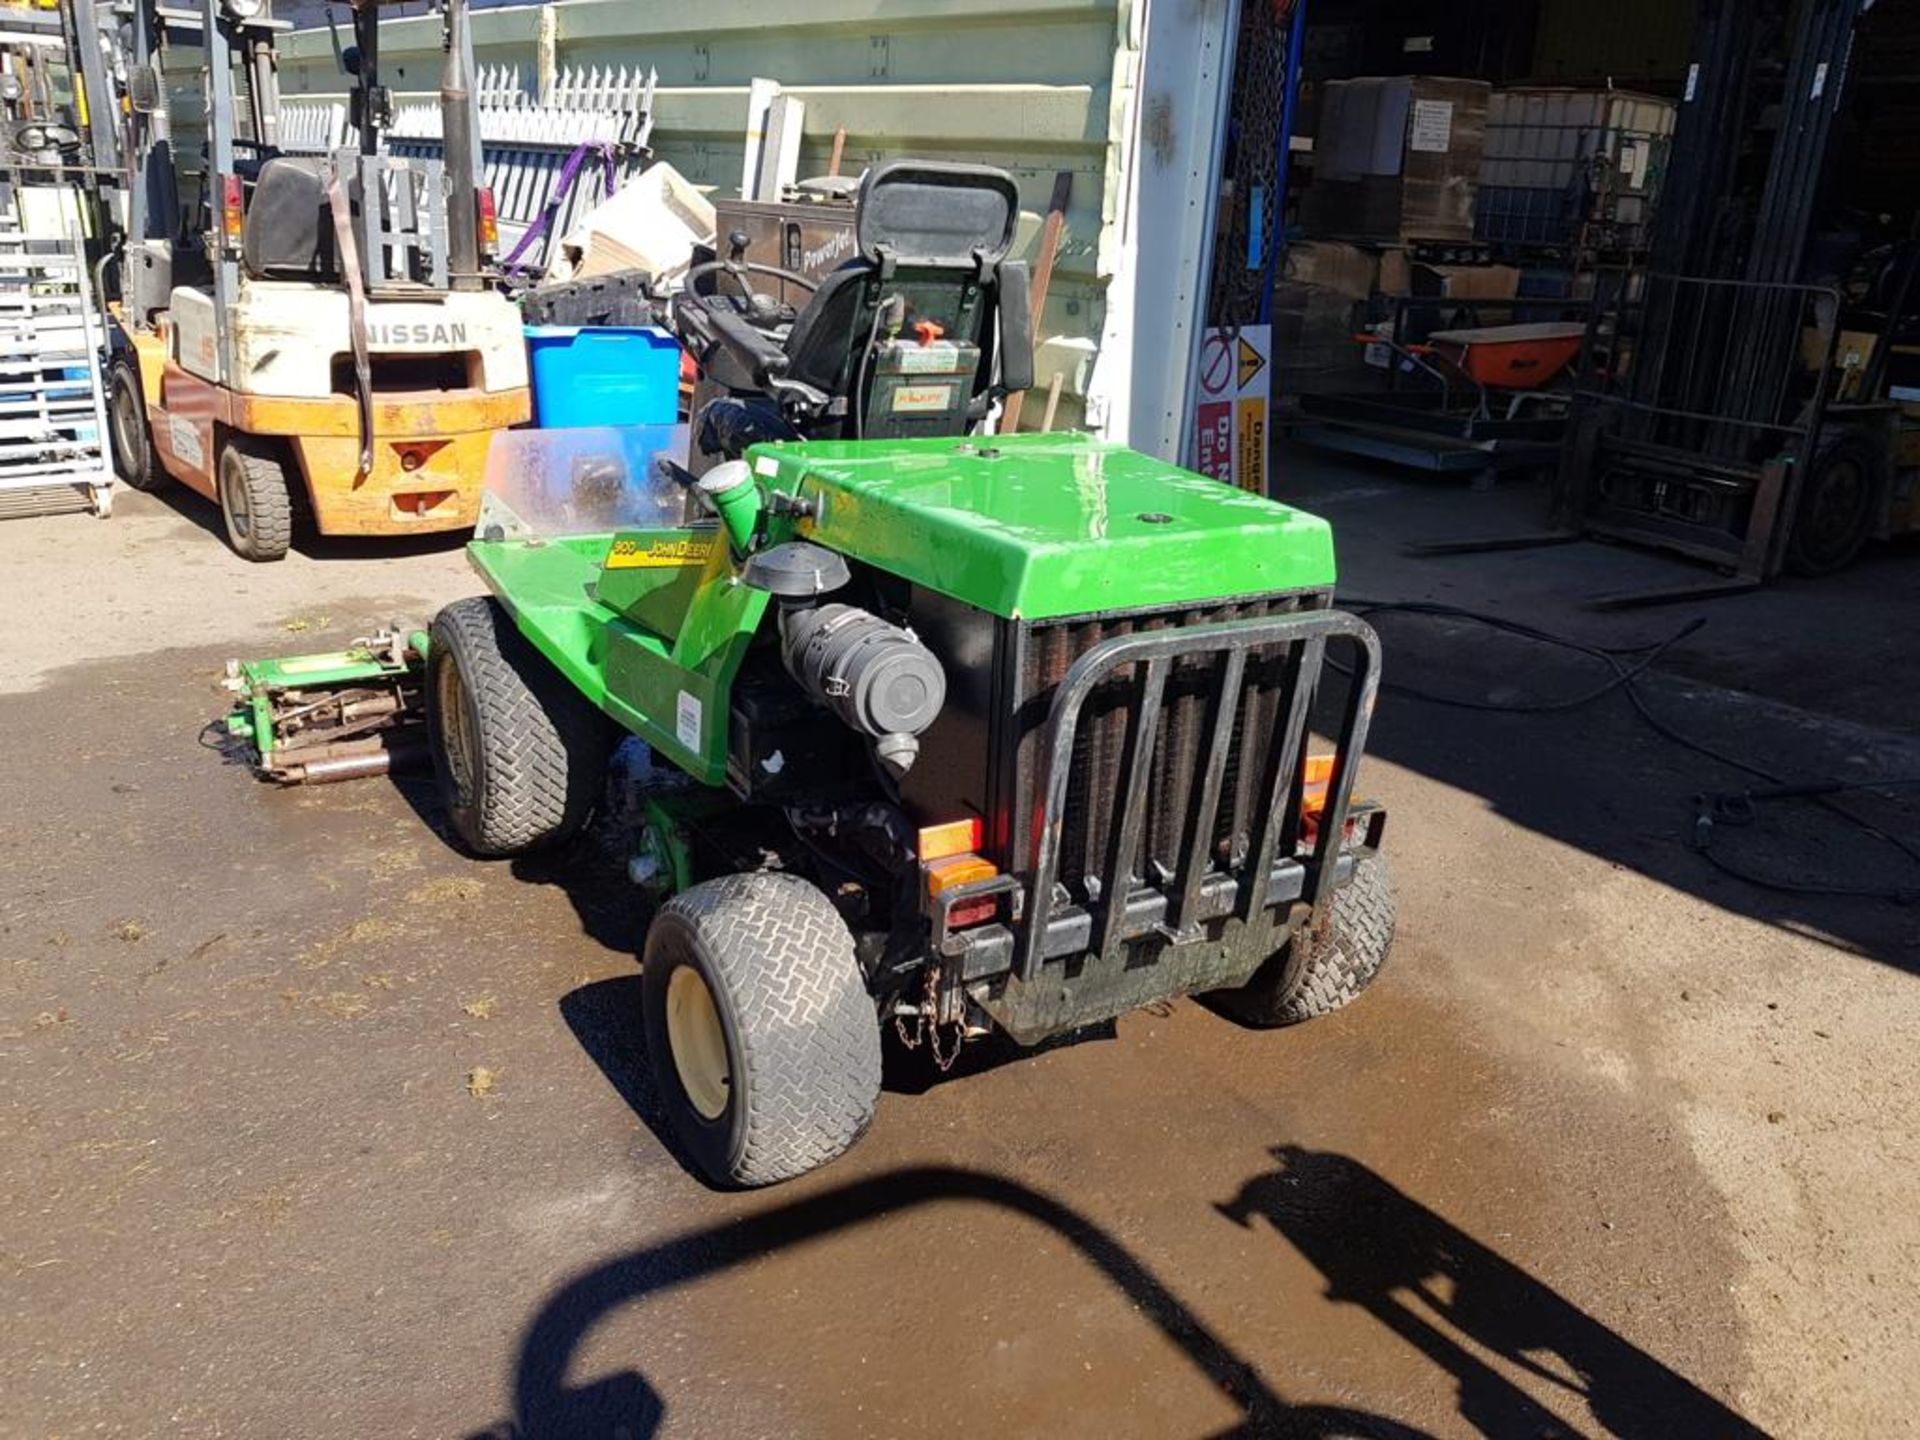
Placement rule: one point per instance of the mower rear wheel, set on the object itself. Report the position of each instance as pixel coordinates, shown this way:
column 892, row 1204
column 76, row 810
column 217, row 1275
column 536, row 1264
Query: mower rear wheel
column 1304, row 980
column 256, row 498
column 764, row 1041
column 520, row 754
column 133, row 458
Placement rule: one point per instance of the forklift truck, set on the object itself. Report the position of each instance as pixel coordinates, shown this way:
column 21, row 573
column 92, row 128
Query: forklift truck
column 304, row 333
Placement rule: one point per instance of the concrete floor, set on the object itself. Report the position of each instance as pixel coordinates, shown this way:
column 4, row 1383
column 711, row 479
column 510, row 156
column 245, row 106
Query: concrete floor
column 1618, row 1145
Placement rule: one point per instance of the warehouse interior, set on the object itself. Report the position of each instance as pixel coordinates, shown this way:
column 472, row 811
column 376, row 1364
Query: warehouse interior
column 1644, row 180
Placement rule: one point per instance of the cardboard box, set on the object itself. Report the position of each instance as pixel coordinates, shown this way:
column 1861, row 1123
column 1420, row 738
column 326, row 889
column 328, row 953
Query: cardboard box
column 1467, row 282
column 1396, row 272
column 1343, row 269
column 1397, row 159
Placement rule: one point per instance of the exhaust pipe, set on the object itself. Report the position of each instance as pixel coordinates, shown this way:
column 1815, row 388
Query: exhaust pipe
column 462, row 153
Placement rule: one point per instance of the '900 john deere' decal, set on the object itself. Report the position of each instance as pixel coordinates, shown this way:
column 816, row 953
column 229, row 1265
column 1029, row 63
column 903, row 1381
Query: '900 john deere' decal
column 444, row 334
column 629, row 553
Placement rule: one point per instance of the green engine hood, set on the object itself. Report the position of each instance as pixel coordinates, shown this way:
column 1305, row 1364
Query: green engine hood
column 1037, row 526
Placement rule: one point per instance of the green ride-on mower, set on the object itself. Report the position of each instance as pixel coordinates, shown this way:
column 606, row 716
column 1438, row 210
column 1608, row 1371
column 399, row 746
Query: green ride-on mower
column 943, row 732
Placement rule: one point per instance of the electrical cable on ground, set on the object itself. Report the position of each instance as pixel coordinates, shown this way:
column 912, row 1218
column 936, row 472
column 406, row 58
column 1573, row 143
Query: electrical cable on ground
column 1711, row 809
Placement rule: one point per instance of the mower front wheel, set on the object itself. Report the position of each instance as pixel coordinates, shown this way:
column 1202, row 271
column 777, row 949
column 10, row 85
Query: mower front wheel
column 520, row 755
column 1307, row 979
column 764, row 1041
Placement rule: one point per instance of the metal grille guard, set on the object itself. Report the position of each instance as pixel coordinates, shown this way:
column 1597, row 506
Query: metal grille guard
column 1197, row 892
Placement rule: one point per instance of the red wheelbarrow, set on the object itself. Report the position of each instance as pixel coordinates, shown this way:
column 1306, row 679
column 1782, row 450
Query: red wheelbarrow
column 1519, row 358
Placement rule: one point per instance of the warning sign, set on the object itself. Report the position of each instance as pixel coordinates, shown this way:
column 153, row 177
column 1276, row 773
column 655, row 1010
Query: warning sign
column 1230, row 410
column 1252, row 362
column 1214, row 447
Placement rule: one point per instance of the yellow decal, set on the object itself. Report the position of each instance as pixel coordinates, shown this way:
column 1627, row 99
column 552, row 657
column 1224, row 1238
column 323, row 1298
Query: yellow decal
column 1250, row 466
column 628, row 554
column 1252, row 362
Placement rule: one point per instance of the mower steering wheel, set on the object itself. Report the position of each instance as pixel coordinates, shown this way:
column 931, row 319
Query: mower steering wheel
column 740, row 270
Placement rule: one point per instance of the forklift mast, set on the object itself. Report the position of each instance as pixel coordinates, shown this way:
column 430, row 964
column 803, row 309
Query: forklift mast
column 418, row 223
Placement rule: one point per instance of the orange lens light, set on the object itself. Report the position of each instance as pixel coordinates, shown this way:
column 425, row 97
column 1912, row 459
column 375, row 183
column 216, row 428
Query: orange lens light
column 955, row 837
column 957, row 870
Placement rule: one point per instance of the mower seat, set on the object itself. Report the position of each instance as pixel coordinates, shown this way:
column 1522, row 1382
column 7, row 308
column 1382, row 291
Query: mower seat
column 288, row 230
column 901, row 340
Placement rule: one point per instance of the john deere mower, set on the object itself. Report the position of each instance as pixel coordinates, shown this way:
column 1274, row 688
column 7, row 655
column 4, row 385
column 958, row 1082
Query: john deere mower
column 944, row 733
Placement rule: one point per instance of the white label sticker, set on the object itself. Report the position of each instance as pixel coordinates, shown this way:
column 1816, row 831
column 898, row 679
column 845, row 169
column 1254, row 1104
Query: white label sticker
column 1819, row 81
column 1693, row 82
column 186, row 441
column 1432, row 129
column 686, row 720
column 767, row 466
column 940, row 358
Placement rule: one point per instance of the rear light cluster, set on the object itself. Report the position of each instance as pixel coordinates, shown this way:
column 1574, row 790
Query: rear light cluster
column 949, row 858
column 231, row 209
column 1313, row 801
column 489, row 221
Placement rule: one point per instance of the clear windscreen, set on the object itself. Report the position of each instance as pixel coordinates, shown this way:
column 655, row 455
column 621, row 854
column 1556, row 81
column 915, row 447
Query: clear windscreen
column 588, row 480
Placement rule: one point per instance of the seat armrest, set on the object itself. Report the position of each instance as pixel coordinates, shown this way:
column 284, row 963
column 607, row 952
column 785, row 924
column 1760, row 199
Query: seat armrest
column 762, row 356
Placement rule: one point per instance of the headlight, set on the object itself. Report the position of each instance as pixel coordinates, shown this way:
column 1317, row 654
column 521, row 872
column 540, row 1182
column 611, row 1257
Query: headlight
column 242, row 9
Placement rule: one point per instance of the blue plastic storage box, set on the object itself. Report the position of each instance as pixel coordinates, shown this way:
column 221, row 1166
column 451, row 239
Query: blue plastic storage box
column 603, row 375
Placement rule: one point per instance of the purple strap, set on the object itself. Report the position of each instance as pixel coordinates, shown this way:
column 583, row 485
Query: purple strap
column 569, row 173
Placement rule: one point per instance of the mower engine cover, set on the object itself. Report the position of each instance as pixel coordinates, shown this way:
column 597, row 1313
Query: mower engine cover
column 1035, row 526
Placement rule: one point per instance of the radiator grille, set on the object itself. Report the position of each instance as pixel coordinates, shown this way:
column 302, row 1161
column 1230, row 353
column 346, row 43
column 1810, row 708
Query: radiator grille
column 1104, row 741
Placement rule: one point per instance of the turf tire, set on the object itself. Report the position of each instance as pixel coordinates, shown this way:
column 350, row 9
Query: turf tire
column 133, row 458
column 1302, row 981
column 256, row 498
column 519, row 753
column 802, row 1037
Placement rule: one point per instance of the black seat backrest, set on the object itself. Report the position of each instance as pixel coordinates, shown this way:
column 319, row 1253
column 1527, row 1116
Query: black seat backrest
column 934, row 236
column 288, row 230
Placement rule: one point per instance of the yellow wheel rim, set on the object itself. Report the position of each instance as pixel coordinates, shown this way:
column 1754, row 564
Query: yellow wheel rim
column 698, row 1043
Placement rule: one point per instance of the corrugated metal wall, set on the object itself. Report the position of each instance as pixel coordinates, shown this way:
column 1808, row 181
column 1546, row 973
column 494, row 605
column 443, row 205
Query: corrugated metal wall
column 1026, row 86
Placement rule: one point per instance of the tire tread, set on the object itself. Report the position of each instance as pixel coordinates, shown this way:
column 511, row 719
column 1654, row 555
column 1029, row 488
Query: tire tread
column 806, row 1024
column 1331, row 975
column 543, row 747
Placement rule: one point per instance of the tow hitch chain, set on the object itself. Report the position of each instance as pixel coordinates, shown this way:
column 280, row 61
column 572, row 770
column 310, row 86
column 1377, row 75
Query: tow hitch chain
column 926, row 1025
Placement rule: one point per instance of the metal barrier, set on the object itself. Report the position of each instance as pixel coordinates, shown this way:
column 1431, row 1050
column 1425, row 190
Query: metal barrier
column 525, row 142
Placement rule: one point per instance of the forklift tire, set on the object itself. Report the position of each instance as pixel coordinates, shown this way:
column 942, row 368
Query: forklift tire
column 255, row 499
column 520, row 755
column 1839, row 503
column 1304, row 981
column 764, row 1041
column 133, row 458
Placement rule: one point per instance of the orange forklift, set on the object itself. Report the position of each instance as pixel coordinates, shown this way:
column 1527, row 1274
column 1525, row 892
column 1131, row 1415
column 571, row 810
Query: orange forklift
column 310, row 333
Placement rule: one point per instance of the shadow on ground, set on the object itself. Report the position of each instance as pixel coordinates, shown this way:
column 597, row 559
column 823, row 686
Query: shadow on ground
column 1795, row 680
column 1459, row 1303
column 196, row 509
column 1462, row 1305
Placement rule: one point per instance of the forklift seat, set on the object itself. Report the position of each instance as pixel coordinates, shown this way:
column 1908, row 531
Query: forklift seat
column 899, row 341
column 288, row 230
